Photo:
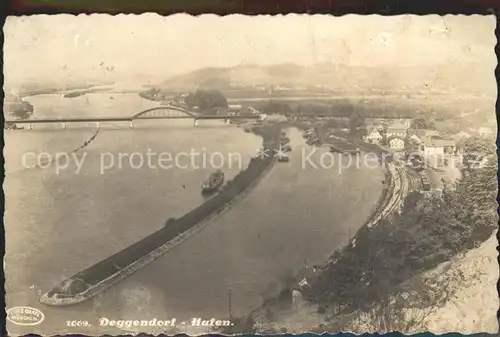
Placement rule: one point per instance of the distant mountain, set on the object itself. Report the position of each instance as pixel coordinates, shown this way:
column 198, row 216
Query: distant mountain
column 338, row 77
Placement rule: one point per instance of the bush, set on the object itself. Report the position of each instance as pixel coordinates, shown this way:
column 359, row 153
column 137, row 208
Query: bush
column 20, row 110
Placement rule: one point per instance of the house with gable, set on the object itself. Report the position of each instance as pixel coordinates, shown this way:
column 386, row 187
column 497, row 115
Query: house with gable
column 374, row 136
column 437, row 146
column 396, row 143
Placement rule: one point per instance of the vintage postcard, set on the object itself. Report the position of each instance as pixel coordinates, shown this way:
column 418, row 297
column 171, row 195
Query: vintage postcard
column 237, row 174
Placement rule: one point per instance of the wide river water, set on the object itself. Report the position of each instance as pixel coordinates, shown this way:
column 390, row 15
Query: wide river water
column 58, row 223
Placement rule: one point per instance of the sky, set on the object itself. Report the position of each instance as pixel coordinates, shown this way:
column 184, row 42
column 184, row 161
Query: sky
column 98, row 46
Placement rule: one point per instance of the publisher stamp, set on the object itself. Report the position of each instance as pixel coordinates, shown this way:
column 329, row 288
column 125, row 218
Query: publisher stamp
column 25, row 316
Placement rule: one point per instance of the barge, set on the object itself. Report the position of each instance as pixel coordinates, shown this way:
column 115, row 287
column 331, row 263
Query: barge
column 95, row 279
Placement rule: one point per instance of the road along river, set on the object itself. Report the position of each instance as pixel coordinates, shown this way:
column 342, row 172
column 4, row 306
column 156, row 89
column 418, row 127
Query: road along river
column 59, row 224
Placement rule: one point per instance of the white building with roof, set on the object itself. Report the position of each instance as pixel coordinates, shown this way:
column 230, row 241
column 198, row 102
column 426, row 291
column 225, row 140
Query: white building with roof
column 437, row 146
column 397, row 143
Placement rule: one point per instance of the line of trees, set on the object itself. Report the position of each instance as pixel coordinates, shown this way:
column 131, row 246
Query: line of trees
column 153, row 94
column 422, row 122
column 20, row 110
column 338, row 108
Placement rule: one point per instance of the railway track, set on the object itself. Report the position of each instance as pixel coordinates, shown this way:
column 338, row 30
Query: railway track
column 400, row 186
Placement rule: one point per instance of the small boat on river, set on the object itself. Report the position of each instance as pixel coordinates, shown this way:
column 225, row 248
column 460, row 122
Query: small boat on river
column 215, row 181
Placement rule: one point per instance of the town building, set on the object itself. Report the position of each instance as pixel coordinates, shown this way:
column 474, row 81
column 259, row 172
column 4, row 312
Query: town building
column 397, row 143
column 374, row 137
column 437, row 146
column 433, row 145
column 417, row 136
column 253, row 111
column 406, row 122
column 397, row 130
column 181, row 99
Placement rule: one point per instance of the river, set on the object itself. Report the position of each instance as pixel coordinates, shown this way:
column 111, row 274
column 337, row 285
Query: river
column 58, row 223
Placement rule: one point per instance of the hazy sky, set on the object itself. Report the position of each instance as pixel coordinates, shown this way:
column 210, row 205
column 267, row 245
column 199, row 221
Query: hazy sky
column 92, row 46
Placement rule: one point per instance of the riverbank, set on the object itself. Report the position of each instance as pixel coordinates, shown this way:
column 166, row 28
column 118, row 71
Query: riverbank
column 95, row 279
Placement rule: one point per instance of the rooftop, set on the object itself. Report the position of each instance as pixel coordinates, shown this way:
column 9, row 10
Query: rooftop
column 397, row 126
column 372, row 130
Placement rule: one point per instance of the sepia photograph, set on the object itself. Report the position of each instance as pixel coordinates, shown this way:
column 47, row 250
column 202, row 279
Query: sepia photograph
column 250, row 174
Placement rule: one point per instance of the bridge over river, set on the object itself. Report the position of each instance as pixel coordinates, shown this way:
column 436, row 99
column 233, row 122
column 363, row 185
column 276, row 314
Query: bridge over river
column 161, row 112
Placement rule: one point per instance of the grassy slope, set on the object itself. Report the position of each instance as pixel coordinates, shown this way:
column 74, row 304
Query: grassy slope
column 429, row 232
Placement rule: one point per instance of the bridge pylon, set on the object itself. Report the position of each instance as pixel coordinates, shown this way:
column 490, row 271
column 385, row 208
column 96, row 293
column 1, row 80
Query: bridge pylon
column 195, row 122
column 131, row 124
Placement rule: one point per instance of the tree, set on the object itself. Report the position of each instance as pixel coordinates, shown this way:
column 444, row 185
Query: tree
column 273, row 107
column 206, row 100
column 422, row 123
column 356, row 119
column 475, row 149
column 21, row 110
column 384, row 124
column 153, row 94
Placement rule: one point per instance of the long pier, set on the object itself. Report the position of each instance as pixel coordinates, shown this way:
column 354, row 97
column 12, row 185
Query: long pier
column 93, row 280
